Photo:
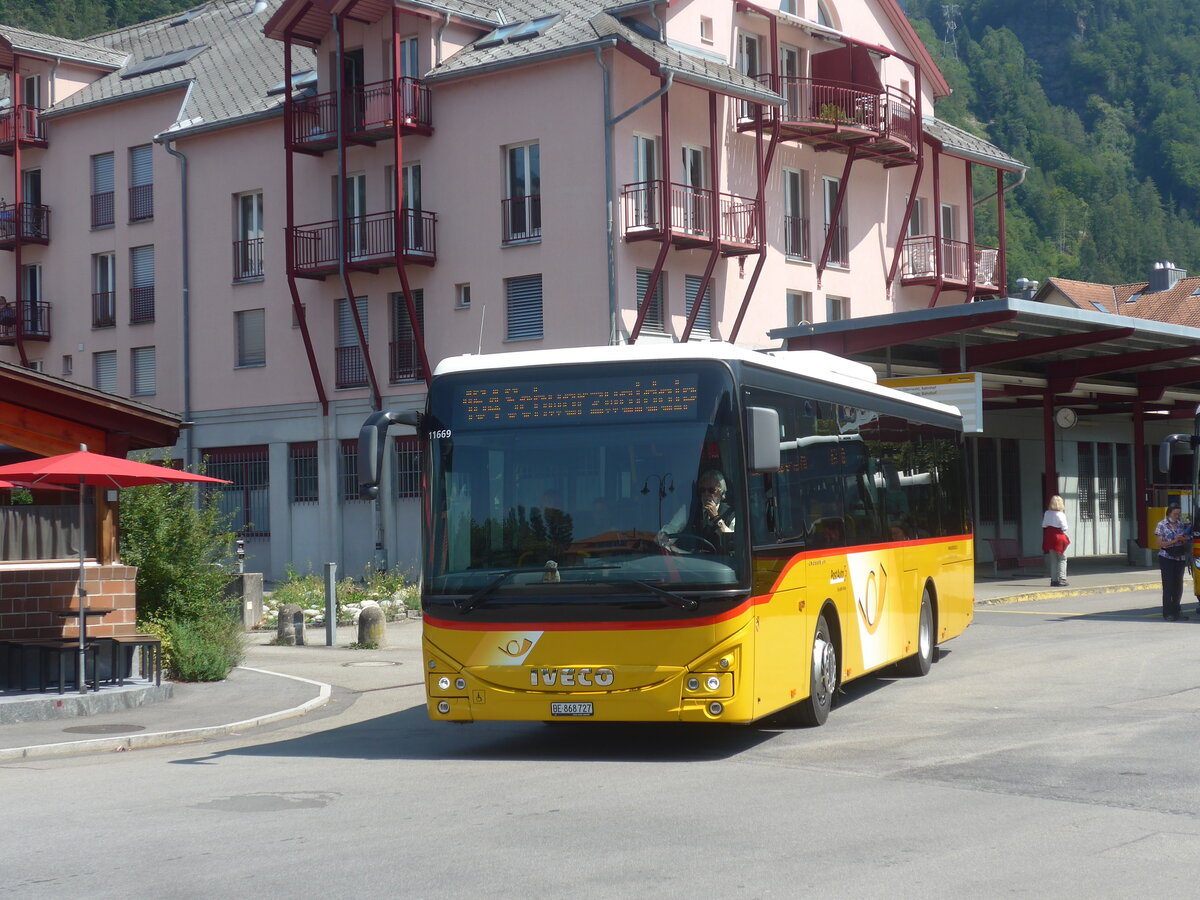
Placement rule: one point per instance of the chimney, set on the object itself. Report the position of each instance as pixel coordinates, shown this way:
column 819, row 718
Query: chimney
column 1026, row 288
column 1164, row 276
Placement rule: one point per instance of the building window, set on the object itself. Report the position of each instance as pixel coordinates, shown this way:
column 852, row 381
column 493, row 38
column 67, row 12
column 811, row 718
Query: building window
column 404, row 358
column 835, row 232
column 795, row 214
column 104, row 371
column 349, row 359
column 248, row 247
column 787, row 6
column 836, row 308
column 246, row 499
column 408, row 466
column 799, row 308
column 348, row 468
column 251, row 337
column 1105, row 493
column 462, row 296
column 141, row 285
column 141, row 183
column 986, row 479
column 916, row 224
column 1010, row 481
column 102, row 190
column 1086, row 494
column 706, row 30
column 702, row 327
column 303, row 472
column 655, row 321
column 824, row 16
column 68, row 365
column 523, row 193
column 523, row 300
column 144, row 364
column 104, row 290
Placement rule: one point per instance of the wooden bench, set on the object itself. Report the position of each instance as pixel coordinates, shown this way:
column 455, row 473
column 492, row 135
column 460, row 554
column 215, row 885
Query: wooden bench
column 1006, row 554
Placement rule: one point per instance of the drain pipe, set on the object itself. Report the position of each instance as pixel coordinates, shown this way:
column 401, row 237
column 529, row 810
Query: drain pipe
column 189, row 452
column 610, row 182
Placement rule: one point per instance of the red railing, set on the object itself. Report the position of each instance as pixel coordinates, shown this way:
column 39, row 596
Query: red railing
column 405, row 362
column 34, row 219
column 141, row 304
column 522, row 218
column 104, row 309
column 141, row 202
column 739, row 219
column 918, row 259
column 248, row 259
column 691, row 212
column 21, row 121
column 34, row 319
column 368, row 238
column 351, row 367
column 314, row 119
column 102, row 210
column 891, row 113
column 643, row 205
column 371, row 105
column 901, row 121
column 795, row 237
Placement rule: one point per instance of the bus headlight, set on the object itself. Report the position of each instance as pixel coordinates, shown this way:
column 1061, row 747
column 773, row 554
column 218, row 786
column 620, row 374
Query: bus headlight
column 693, row 684
column 716, row 708
column 713, row 683
column 443, row 707
column 460, row 684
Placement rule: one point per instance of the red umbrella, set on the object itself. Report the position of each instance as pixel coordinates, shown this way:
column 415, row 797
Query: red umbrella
column 84, row 468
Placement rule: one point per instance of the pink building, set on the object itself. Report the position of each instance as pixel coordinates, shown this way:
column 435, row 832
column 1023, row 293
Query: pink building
column 192, row 203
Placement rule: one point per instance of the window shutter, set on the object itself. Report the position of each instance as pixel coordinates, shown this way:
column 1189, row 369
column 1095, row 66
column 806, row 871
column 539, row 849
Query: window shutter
column 703, row 324
column 105, row 370
column 141, row 263
column 144, row 370
column 347, row 334
column 141, row 166
column 524, row 307
column 654, row 315
column 251, row 337
column 401, row 327
column 102, row 174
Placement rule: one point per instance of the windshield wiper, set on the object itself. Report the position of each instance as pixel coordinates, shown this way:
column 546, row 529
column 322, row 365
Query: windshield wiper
column 686, row 603
column 466, row 604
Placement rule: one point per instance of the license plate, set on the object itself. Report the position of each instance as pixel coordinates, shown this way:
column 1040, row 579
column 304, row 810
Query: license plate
column 570, row 709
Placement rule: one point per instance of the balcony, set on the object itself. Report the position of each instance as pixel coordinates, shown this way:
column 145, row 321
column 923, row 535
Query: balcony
column 831, row 115
column 404, row 362
column 24, row 123
column 690, row 210
column 30, row 222
column 919, row 263
column 35, row 321
column 370, row 243
column 248, row 260
column 370, row 115
column 104, row 309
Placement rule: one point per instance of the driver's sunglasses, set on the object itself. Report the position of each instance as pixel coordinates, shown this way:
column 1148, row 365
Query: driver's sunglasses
column 710, row 489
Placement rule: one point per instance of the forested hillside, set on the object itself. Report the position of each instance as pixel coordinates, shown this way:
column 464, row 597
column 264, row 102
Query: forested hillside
column 1100, row 97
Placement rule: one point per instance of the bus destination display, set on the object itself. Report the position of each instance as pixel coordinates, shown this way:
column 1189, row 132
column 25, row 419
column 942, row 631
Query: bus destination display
column 559, row 401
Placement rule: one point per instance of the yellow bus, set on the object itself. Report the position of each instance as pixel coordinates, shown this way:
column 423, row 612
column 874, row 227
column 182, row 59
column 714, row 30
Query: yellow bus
column 679, row 532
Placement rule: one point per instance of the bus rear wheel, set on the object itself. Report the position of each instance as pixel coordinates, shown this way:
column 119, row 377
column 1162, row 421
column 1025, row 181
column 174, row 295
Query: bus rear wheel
column 918, row 664
column 814, row 709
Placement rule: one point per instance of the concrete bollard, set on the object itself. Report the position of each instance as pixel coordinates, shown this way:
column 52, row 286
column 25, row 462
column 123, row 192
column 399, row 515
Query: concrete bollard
column 290, row 629
column 371, row 629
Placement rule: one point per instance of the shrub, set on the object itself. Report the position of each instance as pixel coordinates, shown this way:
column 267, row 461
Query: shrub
column 204, row 649
column 390, row 591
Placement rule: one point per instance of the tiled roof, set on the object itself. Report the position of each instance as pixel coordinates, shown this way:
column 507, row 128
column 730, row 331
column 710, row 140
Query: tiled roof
column 34, row 44
column 1178, row 305
column 963, row 143
column 1085, row 294
column 229, row 79
column 583, row 23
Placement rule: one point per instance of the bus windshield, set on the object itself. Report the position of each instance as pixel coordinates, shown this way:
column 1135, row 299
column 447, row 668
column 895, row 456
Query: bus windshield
column 584, row 481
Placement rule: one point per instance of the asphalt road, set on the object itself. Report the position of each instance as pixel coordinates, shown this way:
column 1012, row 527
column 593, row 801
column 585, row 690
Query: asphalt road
column 1052, row 751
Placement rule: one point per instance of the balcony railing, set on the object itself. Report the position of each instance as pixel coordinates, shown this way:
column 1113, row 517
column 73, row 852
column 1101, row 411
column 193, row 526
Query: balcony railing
column 839, row 247
column 691, row 213
column 405, row 362
column 141, row 202
column 369, row 111
column 351, row 367
column 102, row 210
column 369, row 240
column 141, row 304
column 522, row 218
column 33, row 316
column 643, row 206
column 24, row 122
column 248, row 259
column 821, row 105
column 918, row 260
column 795, row 237
column 31, row 221
column 104, row 309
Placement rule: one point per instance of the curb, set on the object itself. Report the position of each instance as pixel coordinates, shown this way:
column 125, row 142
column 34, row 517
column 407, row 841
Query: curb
column 1071, row 592
column 181, row 736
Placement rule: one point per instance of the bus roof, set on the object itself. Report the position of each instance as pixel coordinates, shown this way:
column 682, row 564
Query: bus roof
column 816, row 365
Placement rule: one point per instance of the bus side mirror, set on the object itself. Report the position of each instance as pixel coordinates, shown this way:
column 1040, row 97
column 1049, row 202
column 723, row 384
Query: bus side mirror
column 762, row 438
column 371, row 438
column 1167, row 448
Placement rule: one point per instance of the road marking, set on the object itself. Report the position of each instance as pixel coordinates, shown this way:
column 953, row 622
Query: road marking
column 1055, row 612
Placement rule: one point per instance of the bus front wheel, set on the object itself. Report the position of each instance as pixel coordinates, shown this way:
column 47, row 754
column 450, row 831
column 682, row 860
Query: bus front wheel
column 823, row 678
column 918, row 664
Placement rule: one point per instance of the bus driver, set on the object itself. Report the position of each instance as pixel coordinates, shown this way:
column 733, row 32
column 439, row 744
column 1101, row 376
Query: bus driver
column 711, row 517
